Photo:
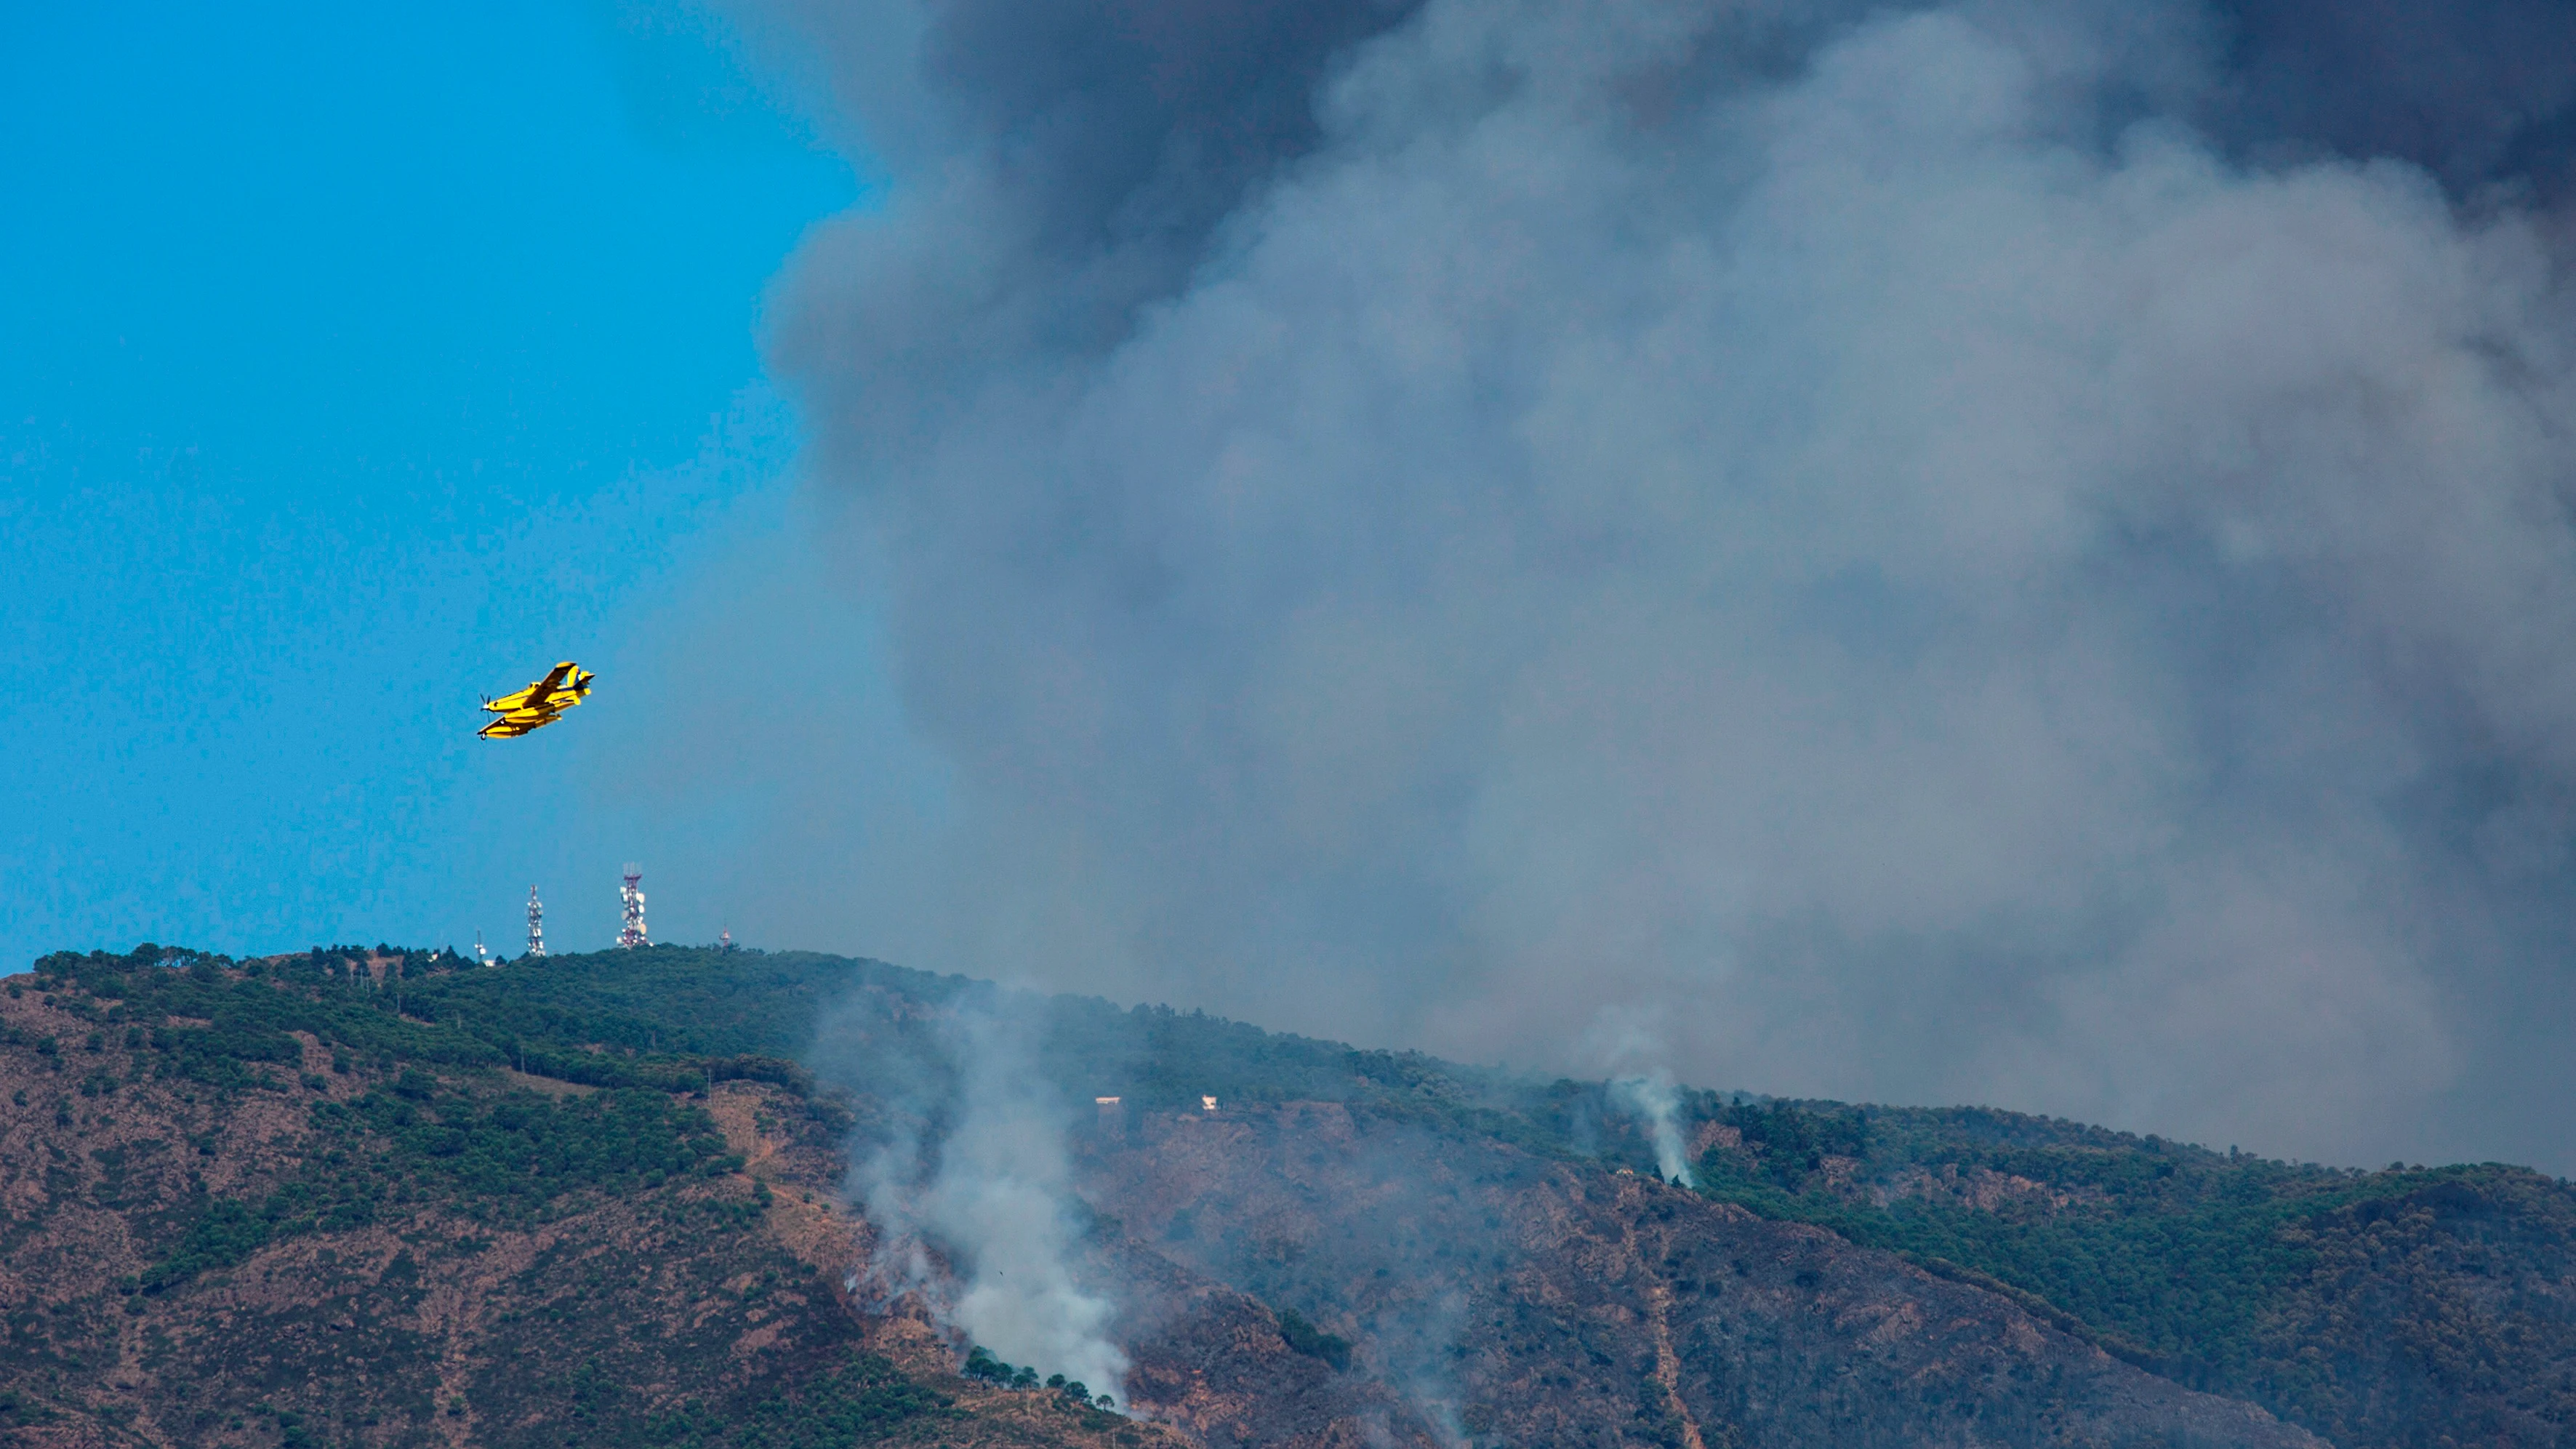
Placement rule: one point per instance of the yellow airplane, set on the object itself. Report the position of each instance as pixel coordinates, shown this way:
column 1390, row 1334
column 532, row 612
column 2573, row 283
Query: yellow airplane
column 540, row 704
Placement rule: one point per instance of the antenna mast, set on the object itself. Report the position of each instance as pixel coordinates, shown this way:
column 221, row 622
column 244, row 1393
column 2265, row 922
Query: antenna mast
column 632, row 896
column 536, row 924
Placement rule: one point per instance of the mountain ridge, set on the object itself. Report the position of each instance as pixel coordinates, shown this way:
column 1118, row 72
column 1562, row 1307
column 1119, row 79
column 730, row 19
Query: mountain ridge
column 698, row 1110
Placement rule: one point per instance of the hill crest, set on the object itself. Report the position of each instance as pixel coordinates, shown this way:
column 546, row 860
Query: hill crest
column 450, row 1159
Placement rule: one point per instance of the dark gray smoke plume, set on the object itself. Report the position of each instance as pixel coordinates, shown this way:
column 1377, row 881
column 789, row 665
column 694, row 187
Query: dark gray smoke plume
column 2003, row 550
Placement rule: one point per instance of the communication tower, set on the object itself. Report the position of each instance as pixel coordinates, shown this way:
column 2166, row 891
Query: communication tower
column 536, row 924
column 632, row 895
column 481, row 956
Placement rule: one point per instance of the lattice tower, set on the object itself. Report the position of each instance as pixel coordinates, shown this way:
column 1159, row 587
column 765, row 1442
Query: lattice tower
column 632, row 896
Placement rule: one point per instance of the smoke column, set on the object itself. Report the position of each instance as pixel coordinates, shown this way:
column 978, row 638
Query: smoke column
column 1628, row 1045
column 1986, row 551
column 998, row 1207
column 1658, row 1101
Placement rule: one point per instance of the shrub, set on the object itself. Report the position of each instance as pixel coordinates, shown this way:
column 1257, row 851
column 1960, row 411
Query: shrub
column 1313, row 1342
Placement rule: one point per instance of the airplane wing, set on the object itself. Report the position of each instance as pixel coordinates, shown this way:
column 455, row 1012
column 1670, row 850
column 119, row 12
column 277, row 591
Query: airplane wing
column 542, row 693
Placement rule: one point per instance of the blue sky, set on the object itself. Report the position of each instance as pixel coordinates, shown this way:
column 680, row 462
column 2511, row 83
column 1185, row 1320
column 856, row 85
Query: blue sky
column 354, row 360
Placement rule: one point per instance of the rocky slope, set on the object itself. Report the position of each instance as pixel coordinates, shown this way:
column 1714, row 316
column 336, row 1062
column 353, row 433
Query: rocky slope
column 372, row 1198
column 392, row 1305
column 1530, row 1302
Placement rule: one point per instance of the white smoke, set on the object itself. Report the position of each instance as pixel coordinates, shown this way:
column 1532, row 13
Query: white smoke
column 1629, row 1046
column 1655, row 1098
column 998, row 1210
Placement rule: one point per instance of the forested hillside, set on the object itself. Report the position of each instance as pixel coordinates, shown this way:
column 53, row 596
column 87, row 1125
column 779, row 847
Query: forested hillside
column 552, row 1202
column 2338, row 1297
column 282, row 1202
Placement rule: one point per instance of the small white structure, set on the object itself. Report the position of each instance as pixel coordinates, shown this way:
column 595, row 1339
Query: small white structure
column 1207, row 1104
